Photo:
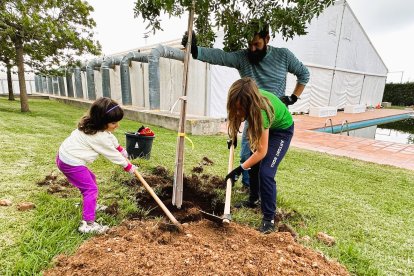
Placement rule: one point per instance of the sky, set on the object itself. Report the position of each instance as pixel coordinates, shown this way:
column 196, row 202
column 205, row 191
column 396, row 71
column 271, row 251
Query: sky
column 389, row 25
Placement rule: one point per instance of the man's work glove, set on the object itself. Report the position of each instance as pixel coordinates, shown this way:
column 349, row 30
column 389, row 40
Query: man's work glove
column 289, row 100
column 232, row 142
column 234, row 174
column 194, row 49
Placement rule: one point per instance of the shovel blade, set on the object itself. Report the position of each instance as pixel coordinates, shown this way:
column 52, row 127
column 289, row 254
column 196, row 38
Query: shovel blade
column 212, row 217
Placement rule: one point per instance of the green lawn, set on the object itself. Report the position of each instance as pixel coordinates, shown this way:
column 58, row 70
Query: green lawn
column 366, row 207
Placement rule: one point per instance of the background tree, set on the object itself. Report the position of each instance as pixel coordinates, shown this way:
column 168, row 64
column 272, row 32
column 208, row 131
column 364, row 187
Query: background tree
column 7, row 57
column 46, row 32
column 286, row 17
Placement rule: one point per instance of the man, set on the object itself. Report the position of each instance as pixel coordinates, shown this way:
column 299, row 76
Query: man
column 267, row 65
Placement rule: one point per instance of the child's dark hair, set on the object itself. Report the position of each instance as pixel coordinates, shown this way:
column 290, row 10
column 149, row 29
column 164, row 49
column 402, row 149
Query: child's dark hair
column 103, row 111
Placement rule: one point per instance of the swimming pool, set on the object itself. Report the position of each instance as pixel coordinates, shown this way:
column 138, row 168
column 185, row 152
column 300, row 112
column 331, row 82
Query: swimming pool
column 397, row 129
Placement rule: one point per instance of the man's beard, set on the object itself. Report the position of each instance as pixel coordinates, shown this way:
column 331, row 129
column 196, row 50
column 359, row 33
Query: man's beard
column 256, row 56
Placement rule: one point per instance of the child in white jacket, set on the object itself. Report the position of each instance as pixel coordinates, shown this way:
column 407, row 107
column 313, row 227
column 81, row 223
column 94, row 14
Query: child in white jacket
column 92, row 137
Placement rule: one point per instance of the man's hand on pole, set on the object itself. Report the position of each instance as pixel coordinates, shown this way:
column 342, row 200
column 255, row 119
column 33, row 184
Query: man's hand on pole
column 194, row 49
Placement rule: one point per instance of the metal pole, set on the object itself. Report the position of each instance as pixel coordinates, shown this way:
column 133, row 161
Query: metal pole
column 177, row 198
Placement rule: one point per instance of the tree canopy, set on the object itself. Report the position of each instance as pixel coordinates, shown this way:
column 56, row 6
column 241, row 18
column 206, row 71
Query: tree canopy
column 46, row 32
column 285, row 17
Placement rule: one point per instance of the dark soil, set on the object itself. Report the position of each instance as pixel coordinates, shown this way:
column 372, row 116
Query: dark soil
column 144, row 246
column 199, row 195
column 56, row 184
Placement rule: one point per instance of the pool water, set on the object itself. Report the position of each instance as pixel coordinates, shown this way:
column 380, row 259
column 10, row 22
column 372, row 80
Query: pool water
column 397, row 132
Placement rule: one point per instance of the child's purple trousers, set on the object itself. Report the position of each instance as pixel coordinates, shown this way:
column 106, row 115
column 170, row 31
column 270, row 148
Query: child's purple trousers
column 83, row 179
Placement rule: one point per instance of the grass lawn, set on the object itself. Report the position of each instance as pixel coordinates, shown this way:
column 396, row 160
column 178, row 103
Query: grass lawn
column 368, row 208
column 397, row 107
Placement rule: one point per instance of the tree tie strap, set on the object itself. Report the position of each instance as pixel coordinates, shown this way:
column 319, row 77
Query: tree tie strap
column 182, row 134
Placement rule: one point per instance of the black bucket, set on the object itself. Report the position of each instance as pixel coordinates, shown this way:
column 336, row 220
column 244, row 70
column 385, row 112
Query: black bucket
column 138, row 145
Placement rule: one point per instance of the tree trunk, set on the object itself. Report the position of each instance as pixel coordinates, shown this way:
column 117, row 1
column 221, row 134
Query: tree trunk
column 24, row 104
column 9, row 81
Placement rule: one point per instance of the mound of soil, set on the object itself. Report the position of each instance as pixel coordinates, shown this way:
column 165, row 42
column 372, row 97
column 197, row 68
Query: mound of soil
column 144, row 248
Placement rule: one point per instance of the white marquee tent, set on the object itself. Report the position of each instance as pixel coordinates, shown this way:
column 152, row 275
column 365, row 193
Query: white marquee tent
column 344, row 65
column 345, row 70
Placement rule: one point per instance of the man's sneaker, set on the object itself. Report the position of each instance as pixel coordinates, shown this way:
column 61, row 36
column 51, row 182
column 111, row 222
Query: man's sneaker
column 92, row 228
column 267, row 226
column 247, row 204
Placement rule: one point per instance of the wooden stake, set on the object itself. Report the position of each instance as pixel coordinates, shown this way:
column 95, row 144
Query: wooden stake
column 177, row 198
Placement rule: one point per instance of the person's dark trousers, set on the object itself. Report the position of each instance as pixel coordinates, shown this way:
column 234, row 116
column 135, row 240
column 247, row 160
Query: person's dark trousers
column 262, row 175
column 244, row 155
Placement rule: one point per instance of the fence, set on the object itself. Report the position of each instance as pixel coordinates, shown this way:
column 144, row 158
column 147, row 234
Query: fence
column 30, row 86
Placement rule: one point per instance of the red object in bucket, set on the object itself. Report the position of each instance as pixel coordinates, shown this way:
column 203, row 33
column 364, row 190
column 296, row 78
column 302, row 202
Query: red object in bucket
column 145, row 131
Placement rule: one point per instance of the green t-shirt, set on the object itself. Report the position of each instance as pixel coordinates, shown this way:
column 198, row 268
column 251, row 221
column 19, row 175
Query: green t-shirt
column 282, row 118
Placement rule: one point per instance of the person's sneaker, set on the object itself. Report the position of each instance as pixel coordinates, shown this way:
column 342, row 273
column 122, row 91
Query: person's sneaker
column 92, row 228
column 267, row 226
column 247, row 204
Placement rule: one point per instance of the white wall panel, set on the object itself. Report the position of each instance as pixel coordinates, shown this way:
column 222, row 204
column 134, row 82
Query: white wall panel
column 346, row 89
column 136, row 73
column 197, row 88
column 320, row 86
column 115, row 76
column 84, row 85
column 221, row 80
column 98, row 83
column 171, row 79
column 355, row 51
column 372, row 90
column 320, row 44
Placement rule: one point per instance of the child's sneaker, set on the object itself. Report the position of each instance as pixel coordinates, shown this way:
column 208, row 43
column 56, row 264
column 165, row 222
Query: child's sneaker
column 92, row 228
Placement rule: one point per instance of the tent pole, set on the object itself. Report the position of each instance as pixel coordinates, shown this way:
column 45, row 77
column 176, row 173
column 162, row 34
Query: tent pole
column 336, row 55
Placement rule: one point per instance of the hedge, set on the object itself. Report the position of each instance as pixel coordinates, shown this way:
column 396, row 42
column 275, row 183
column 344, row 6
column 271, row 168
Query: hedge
column 401, row 94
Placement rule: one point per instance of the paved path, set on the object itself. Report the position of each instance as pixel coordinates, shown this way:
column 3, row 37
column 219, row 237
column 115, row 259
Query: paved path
column 389, row 153
column 395, row 154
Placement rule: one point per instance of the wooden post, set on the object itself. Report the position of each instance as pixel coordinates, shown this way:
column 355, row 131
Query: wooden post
column 177, row 198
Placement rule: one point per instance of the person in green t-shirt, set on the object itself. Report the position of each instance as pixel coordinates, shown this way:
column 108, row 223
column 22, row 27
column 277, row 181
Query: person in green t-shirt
column 269, row 132
column 267, row 65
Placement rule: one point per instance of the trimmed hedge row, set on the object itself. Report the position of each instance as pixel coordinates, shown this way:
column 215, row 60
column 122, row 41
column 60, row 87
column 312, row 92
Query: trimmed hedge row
column 401, row 94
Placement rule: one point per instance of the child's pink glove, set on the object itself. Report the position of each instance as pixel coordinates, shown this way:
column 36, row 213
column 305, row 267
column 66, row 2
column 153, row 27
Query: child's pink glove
column 131, row 168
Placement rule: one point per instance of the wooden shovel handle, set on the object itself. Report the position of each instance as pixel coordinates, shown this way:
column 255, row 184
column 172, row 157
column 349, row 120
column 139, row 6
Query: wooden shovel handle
column 157, row 199
column 229, row 185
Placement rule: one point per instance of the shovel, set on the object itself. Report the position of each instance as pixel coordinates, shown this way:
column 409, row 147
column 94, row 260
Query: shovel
column 157, row 199
column 226, row 217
